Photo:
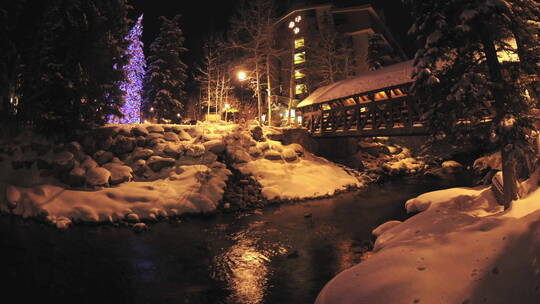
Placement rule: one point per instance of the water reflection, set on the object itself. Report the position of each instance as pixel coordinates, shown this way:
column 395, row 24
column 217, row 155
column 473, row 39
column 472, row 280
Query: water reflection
column 244, row 266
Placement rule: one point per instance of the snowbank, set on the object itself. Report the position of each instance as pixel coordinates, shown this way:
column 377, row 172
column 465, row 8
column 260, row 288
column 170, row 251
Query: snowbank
column 462, row 248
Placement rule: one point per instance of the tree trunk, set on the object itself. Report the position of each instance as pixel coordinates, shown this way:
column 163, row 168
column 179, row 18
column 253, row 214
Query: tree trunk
column 291, row 87
column 500, row 95
column 258, row 89
column 269, row 84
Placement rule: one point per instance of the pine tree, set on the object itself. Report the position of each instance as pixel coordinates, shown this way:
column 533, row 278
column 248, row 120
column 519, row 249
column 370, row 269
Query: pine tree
column 166, row 74
column 70, row 80
column 460, row 79
column 380, row 53
column 135, row 70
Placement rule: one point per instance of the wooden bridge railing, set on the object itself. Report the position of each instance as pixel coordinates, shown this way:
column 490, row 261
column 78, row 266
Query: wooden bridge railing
column 394, row 116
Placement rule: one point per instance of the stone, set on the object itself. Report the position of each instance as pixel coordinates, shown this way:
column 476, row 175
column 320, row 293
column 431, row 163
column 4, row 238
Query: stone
column 75, row 177
column 157, row 163
column 98, row 176
column 173, row 152
column 239, row 156
column 123, row 144
column 170, row 136
column 88, row 163
column 140, row 141
column 255, row 152
column 64, row 161
column 272, row 155
column 119, row 173
column 216, row 146
column 195, row 150
column 257, row 133
column 105, row 143
column 184, row 136
column 40, row 149
column 155, row 129
column 89, row 144
column 140, row 227
column 142, row 154
column 289, row 155
column 263, row 146
column 77, row 150
column 103, row 157
column 139, row 131
column 297, row 148
column 132, row 218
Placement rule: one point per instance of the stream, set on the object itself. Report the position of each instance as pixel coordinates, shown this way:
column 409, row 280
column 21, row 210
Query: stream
column 279, row 254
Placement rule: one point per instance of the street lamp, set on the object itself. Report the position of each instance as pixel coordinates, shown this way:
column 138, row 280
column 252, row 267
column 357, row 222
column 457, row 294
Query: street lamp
column 242, row 76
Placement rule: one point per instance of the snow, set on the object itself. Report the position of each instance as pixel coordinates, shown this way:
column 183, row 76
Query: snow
column 461, row 248
column 305, row 178
column 392, row 75
column 162, row 174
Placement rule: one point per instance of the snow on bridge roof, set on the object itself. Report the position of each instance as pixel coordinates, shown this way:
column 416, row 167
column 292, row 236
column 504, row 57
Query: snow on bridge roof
column 389, row 76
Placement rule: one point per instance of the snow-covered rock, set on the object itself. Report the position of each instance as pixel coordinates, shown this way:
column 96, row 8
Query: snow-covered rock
column 272, row 155
column 156, row 163
column 123, row 144
column 64, row 161
column 289, row 155
column 88, row 163
column 119, row 173
column 170, row 136
column 141, row 153
column 239, row 156
column 98, row 177
column 75, row 177
column 139, row 130
column 155, row 129
column 196, row 150
column 216, row 146
column 103, row 157
column 184, row 136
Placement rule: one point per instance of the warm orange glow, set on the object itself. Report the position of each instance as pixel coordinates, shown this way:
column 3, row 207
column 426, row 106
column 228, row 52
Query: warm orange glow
column 242, row 75
column 300, row 89
column 381, row 96
column 300, row 58
column 298, row 74
column 298, row 43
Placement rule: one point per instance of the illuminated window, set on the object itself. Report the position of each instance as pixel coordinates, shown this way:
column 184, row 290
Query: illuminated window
column 298, row 74
column 298, row 18
column 291, row 25
column 296, row 30
column 349, row 102
column 301, row 89
column 298, row 43
column 299, row 57
column 364, row 99
column 326, row 107
column 397, row 93
column 381, row 96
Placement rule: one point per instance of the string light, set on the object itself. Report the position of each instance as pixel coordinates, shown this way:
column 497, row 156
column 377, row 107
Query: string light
column 135, row 70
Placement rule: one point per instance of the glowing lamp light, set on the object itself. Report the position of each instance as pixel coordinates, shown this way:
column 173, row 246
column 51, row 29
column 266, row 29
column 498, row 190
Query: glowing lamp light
column 227, row 106
column 299, row 119
column 177, row 114
column 298, row 18
column 242, row 75
column 291, row 24
column 293, row 113
column 263, row 117
column 152, row 109
column 296, row 30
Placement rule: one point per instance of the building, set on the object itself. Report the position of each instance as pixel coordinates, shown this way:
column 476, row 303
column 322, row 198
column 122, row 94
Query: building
column 296, row 36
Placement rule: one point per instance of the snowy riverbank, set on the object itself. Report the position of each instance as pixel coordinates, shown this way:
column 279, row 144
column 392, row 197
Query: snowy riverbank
column 136, row 173
column 461, row 248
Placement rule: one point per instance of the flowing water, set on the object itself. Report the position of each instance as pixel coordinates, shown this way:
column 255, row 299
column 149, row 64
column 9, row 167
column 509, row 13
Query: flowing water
column 280, row 254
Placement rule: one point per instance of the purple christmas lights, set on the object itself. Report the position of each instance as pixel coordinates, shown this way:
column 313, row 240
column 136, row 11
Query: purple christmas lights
column 135, row 70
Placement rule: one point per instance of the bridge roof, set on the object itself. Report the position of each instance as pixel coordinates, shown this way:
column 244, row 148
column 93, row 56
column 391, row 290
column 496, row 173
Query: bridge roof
column 389, row 76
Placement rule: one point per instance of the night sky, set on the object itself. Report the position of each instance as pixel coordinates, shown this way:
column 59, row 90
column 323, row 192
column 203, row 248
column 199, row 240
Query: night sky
column 201, row 18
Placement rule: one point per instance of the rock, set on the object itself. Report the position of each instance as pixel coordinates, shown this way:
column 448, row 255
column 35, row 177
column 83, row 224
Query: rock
column 139, row 131
column 40, row 149
column 155, row 129
column 140, row 141
column 263, row 146
column 88, row 163
column 77, row 150
column 374, row 149
column 156, row 163
column 123, row 145
column 125, row 131
column 170, row 136
column 132, row 218
column 119, row 173
column 239, row 156
column 140, row 227
column 106, row 143
column 173, row 152
column 142, row 154
column 451, row 164
column 272, row 155
column 184, row 136
column 97, row 177
column 216, row 146
column 89, row 144
column 255, row 152
column 289, row 155
column 103, row 157
column 297, row 148
column 13, row 196
column 64, row 161
column 257, row 133
column 75, row 177
column 195, row 150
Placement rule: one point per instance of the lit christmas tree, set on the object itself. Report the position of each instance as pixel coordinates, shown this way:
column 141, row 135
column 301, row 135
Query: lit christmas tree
column 135, row 70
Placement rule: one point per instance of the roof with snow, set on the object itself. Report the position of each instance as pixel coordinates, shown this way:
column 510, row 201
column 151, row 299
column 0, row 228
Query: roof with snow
column 389, row 76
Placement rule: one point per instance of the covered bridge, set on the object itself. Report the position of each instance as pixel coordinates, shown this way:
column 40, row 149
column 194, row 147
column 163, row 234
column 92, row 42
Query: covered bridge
column 375, row 103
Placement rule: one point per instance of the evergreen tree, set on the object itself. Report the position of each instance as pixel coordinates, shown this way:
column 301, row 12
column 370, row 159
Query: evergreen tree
column 380, row 53
column 166, row 74
column 133, row 86
column 460, row 79
column 70, row 80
